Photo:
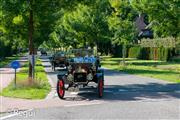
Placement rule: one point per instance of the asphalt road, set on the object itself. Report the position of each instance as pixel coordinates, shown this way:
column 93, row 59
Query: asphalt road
column 126, row 97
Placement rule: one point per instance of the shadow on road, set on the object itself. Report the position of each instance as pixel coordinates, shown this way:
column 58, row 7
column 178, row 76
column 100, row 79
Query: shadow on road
column 129, row 92
column 114, row 73
column 136, row 92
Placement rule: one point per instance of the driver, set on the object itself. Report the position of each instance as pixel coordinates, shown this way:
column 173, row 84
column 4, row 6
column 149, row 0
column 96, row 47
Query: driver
column 89, row 57
column 78, row 58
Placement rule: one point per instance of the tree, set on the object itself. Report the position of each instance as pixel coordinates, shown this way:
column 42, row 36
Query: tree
column 121, row 22
column 86, row 25
column 23, row 16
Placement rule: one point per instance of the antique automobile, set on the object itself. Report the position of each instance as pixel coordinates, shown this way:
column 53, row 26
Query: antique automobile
column 43, row 52
column 58, row 60
column 82, row 69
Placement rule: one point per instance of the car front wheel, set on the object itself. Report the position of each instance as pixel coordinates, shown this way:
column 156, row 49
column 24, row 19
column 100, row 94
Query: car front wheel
column 100, row 88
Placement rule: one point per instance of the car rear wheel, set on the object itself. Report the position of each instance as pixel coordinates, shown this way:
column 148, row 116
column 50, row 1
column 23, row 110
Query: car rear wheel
column 100, row 88
column 60, row 88
column 54, row 66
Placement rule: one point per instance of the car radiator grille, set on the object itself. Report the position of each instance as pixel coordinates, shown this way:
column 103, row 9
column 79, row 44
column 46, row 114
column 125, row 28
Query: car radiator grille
column 80, row 77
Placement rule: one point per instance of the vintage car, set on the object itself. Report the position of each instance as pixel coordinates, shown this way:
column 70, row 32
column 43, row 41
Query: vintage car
column 82, row 69
column 43, row 52
column 58, row 60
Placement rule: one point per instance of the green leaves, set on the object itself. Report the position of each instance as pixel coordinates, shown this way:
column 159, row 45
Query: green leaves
column 85, row 25
column 121, row 22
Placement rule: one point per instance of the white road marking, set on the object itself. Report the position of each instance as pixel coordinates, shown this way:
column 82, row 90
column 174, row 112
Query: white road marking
column 108, row 91
column 122, row 90
column 177, row 91
column 15, row 114
column 73, row 93
column 82, row 104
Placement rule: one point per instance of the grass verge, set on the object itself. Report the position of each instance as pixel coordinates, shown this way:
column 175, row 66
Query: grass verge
column 7, row 60
column 169, row 71
column 38, row 90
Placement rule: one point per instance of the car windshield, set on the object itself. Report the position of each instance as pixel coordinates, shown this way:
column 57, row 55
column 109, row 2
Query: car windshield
column 82, row 56
column 60, row 54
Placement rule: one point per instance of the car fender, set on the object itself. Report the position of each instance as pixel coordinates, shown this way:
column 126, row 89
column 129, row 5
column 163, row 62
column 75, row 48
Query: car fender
column 61, row 75
column 100, row 76
column 100, row 73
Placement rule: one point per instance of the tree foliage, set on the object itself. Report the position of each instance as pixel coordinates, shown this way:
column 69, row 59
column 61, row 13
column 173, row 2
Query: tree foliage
column 78, row 23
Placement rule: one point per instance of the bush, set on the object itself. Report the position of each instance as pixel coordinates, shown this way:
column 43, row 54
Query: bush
column 117, row 52
column 134, row 52
column 145, row 54
column 161, row 53
column 6, row 50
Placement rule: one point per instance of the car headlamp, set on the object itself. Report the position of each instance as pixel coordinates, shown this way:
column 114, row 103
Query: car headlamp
column 94, row 67
column 70, row 77
column 69, row 68
column 89, row 76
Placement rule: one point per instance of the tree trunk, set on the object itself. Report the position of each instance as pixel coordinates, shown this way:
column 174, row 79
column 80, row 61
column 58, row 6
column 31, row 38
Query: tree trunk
column 124, row 53
column 85, row 46
column 31, row 47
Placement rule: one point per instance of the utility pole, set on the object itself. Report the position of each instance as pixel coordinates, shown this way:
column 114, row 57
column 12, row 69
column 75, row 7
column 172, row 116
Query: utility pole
column 31, row 46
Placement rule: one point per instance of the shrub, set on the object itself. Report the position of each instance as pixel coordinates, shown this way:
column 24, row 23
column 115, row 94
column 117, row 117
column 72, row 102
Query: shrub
column 145, row 54
column 117, row 52
column 134, row 52
column 161, row 53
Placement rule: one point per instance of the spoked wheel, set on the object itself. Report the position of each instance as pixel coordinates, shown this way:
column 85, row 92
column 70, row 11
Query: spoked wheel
column 54, row 67
column 60, row 88
column 100, row 88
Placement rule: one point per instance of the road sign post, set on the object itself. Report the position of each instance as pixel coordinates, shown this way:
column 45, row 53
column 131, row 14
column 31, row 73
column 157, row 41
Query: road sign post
column 32, row 60
column 15, row 65
column 15, row 79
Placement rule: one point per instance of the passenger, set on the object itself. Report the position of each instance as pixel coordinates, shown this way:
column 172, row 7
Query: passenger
column 91, row 58
column 86, row 58
column 78, row 58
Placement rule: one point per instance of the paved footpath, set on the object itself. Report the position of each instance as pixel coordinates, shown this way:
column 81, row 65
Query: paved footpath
column 126, row 97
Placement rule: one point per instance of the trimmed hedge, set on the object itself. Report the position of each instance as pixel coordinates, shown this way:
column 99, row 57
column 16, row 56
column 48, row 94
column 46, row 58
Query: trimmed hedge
column 134, row 52
column 161, row 53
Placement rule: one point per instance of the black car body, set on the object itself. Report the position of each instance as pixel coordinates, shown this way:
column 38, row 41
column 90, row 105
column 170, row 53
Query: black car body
column 81, row 70
column 58, row 60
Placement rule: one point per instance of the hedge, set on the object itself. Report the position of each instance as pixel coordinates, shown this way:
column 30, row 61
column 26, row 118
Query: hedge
column 161, row 53
column 134, row 52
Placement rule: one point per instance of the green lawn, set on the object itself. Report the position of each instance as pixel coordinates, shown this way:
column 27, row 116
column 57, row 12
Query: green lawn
column 169, row 71
column 7, row 60
column 38, row 90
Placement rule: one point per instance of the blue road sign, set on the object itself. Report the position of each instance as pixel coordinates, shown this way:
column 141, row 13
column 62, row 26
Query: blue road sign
column 15, row 65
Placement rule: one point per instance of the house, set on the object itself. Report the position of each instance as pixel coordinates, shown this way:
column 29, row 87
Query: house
column 143, row 28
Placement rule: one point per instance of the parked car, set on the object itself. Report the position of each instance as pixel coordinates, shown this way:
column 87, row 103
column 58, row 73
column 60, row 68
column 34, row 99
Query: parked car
column 83, row 68
column 58, row 60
